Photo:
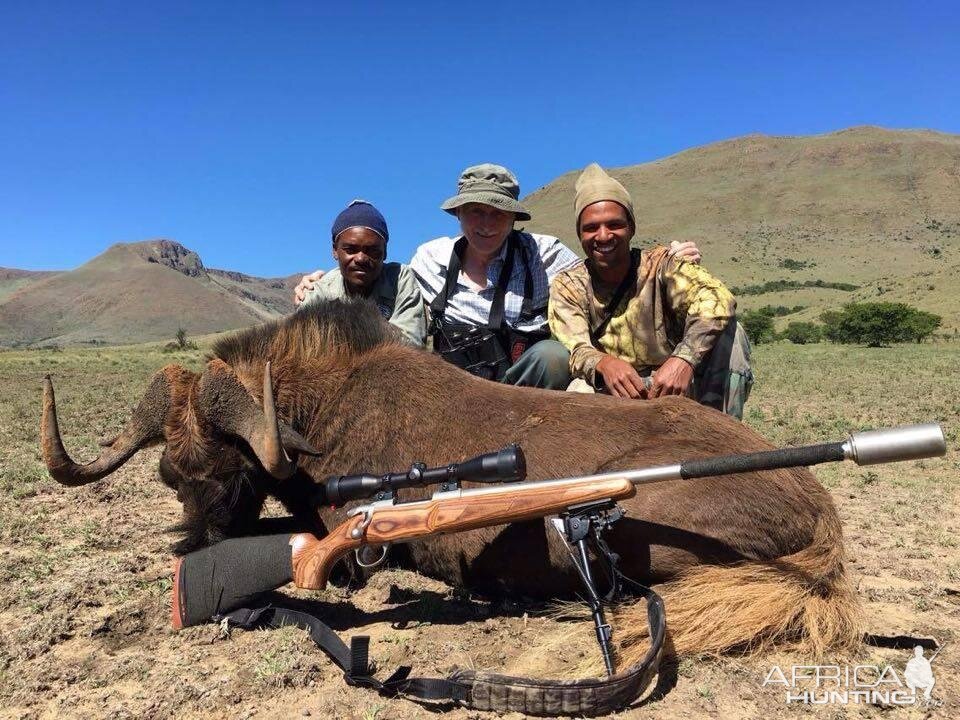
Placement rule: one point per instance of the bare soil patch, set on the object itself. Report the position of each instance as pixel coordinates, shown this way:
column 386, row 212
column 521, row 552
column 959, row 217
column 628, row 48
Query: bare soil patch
column 85, row 572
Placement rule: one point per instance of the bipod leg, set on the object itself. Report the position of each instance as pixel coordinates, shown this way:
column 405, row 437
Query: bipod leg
column 600, row 623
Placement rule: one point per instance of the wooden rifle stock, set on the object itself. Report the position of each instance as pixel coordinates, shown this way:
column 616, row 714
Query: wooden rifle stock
column 221, row 577
column 313, row 559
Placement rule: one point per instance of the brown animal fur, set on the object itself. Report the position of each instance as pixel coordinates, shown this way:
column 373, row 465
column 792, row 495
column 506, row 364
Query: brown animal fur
column 745, row 558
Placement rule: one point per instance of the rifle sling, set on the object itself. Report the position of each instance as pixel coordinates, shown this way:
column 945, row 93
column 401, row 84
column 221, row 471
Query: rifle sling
column 476, row 689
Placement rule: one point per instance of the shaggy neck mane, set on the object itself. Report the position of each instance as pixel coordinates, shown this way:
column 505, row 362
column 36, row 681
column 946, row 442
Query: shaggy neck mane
column 343, row 327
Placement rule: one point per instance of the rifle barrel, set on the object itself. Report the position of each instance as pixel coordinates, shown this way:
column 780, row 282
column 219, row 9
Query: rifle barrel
column 911, row 442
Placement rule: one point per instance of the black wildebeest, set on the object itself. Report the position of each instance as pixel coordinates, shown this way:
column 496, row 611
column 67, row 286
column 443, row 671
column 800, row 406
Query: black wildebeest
column 743, row 558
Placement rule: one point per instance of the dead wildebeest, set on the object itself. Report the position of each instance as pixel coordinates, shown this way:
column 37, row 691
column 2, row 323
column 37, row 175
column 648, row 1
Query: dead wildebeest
column 744, row 558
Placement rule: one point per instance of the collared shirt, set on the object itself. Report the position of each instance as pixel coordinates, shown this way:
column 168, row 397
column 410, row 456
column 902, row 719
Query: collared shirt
column 395, row 294
column 547, row 257
column 675, row 309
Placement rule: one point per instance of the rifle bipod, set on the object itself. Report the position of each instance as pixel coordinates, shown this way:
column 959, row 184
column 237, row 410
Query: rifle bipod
column 577, row 526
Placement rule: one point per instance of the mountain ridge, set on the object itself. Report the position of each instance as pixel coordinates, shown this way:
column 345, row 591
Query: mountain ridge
column 869, row 206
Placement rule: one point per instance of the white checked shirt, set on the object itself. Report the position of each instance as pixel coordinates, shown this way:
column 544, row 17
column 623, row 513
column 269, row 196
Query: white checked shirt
column 547, row 255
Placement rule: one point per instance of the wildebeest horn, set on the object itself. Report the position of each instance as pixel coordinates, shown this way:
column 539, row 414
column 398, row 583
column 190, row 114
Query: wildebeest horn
column 272, row 456
column 228, row 406
column 145, row 427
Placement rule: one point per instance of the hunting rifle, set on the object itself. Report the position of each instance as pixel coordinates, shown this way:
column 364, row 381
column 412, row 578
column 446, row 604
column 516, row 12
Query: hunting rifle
column 215, row 581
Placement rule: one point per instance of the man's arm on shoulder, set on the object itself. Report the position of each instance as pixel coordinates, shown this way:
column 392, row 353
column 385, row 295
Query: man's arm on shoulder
column 306, row 284
column 325, row 287
column 705, row 302
column 408, row 311
column 687, row 250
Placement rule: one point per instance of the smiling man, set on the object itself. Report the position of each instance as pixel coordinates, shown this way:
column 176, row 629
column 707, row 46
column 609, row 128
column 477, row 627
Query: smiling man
column 642, row 324
column 360, row 247
column 488, row 287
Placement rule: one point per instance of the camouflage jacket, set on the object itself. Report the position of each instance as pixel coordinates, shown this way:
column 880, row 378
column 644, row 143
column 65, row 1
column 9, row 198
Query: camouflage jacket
column 676, row 308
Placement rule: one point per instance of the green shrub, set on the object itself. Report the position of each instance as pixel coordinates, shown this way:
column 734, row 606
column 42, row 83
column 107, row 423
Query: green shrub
column 780, row 310
column 759, row 326
column 877, row 324
column 802, row 333
column 781, row 285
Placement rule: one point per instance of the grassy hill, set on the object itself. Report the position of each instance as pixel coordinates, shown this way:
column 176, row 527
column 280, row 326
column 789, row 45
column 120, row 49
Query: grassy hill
column 873, row 207
column 876, row 208
column 136, row 292
column 12, row 280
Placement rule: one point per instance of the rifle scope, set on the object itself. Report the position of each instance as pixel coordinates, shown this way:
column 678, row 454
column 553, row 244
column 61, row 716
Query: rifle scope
column 506, row 465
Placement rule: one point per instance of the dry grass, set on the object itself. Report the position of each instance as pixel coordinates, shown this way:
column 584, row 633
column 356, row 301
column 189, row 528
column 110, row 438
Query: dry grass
column 84, row 574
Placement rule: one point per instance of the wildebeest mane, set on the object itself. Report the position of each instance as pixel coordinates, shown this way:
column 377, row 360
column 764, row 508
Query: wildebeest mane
column 344, row 326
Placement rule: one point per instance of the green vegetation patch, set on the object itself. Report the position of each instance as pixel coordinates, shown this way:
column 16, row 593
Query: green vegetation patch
column 781, row 285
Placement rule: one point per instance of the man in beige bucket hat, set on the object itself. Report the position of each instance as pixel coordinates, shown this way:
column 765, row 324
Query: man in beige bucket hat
column 641, row 324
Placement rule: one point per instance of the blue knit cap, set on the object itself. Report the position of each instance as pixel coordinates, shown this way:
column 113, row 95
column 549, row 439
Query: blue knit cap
column 360, row 213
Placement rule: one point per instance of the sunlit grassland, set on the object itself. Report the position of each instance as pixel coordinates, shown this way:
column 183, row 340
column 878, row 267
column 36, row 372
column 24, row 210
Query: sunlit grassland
column 84, row 569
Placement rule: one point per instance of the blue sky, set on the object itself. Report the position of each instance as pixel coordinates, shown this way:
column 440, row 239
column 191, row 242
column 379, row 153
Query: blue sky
column 240, row 129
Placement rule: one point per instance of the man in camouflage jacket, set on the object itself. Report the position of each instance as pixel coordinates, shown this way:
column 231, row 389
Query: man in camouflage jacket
column 642, row 324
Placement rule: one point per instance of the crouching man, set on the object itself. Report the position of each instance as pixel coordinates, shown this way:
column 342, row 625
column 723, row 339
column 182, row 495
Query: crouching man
column 640, row 324
column 360, row 247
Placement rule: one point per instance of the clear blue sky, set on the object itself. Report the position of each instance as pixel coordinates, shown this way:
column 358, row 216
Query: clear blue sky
column 240, row 129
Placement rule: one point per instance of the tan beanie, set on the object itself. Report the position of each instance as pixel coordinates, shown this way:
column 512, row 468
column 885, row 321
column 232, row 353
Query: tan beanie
column 595, row 185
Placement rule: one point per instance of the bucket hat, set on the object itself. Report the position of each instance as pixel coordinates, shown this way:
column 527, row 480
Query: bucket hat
column 488, row 184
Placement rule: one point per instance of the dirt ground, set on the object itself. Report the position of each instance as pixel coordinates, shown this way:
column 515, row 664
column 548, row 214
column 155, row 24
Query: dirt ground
column 85, row 572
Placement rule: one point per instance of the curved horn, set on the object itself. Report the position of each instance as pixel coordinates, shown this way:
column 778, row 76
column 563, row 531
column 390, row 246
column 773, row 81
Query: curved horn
column 272, row 455
column 227, row 405
column 144, row 427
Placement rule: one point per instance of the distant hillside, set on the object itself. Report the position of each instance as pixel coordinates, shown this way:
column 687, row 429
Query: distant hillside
column 12, row 279
column 877, row 208
column 135, row 292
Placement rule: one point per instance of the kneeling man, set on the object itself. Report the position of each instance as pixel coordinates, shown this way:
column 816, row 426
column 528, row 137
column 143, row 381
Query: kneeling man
column 360, row 247
column 644, row 324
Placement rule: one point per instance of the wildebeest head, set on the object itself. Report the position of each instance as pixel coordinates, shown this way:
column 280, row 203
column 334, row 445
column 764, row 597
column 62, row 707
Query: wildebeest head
column 226, row 442
column 221, row 445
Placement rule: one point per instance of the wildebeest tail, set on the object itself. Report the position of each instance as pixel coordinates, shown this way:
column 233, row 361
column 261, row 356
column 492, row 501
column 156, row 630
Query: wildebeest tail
column 802, row 601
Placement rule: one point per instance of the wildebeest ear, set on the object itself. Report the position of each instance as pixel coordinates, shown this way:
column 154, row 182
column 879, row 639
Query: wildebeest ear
column 292, row 440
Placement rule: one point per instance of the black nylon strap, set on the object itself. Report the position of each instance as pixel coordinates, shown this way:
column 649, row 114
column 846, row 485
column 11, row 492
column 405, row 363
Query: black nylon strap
column 628, row 281
column 497, row 309
column 353, row 661
column 527, row 311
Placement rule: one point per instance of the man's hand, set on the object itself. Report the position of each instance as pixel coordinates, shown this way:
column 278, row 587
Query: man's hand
column 685, row 250
column 672, row 378
column 306, row 285
column 621, row 379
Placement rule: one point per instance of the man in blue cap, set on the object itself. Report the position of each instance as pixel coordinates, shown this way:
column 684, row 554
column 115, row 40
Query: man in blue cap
column 360, row 238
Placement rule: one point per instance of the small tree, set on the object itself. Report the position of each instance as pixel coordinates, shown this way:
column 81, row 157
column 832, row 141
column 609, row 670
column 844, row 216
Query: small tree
column 802, row 333
column 831, row 325
column 182, row 341
column 877, row 324
column 759, row 326
column 922, row 324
